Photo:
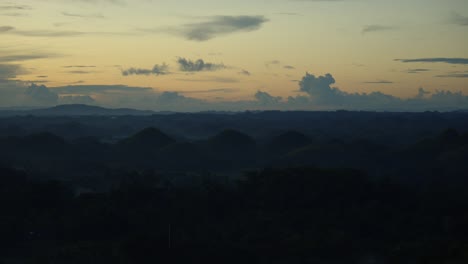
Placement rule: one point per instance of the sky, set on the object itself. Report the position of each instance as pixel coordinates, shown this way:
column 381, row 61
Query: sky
column 183, row 55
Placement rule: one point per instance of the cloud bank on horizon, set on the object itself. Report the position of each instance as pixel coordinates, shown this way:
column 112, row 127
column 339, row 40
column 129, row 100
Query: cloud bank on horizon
column 317, row 94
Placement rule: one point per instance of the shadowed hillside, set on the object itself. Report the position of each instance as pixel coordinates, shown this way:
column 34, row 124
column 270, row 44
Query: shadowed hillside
column 129, row 191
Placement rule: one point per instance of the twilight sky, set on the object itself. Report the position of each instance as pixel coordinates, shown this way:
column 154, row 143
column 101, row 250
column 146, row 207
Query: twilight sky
column 234, row 55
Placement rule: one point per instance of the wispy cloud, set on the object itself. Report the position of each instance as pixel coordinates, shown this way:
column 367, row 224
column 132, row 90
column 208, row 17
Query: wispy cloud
column 245, row 72
column 10, row 7
column 376, row 28
column 379, row 82
column 55, row 33
column 79, row 66
column 214, row 26
column 4, row 29
column 453, row 75
column 272, row 62
column 436, row 60
column 219, row 90
column 415, row 71
column 69, row 14
column 459, row 19
column 38, row 33
column 210, row 79
column 80, row 72
column 156, row 70
column 91, row 89
column 25, row 57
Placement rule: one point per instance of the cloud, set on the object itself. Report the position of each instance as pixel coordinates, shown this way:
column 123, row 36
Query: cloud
column 10, row 7
column 322, row 95
column 436, row 60
column 12, row 14
column 289, row 14
column 38, row 33
column 76, row 99
column 24, row 57
column 289, row 67
column 453, row 75
column 199, row 65
column 414, row 71
column 80, row 72
column 379, row 82
column 99, row 16
column 219, row 90
column 115, row 2
column 6, row 29
column 41, row 95
column 79, row 66
column 376, row 28
column 458, row 19
column 319, row 0
column 245, row 72
column 211, row 79
column 316, row 93
column 156, row 70
column 99, row 89
column 217, row 26
column 272, row 62
column 9, row 71
column 266, row 99
column 54, row 33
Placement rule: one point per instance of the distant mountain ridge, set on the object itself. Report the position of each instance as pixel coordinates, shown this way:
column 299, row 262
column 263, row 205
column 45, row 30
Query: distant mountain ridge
column 76, row 110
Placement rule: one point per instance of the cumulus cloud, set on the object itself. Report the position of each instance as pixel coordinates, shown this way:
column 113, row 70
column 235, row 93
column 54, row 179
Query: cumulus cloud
column 41, row 95
column 265, row 98
column 217, row 26
column 321, row 94
column 187, row 65
column 77, row 99
column 156, row 70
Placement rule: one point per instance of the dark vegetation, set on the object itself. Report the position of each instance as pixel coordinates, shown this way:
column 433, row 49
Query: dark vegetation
column 267, row 187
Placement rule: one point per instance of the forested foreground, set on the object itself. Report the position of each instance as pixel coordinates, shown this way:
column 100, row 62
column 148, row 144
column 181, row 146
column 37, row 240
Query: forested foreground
column 291, row 215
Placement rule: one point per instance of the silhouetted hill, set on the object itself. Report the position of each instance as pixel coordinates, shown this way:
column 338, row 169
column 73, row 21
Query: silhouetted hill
column 287, row 142
column 233, row 140
column 43, row 142
column 78, row 110
column 148, row 138
column 183, row 155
